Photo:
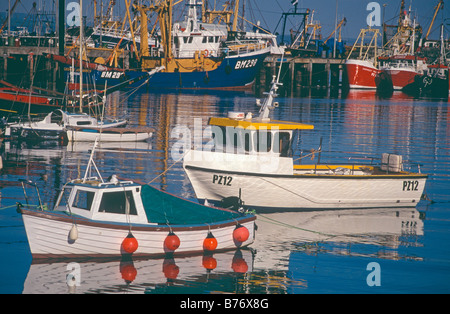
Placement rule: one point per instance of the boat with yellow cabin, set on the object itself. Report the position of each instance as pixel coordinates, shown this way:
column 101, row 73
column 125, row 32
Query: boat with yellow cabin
column 252, row 165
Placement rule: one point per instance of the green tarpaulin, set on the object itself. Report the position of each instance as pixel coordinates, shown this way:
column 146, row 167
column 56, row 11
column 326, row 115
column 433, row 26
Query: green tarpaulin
column 164, row 208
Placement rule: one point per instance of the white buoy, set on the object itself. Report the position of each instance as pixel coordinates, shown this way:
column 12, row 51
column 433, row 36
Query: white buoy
column 73, row 234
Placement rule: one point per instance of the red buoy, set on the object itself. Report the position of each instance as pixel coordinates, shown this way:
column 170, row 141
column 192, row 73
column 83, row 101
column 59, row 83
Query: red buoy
column 172, row 242
column 130, row 244
column 240, row 234
column 209, row 262
column 210, row 242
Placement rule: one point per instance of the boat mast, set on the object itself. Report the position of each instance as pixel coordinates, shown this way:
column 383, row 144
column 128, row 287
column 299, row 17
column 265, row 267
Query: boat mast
column 81, row 55
column 268, row 102
column 235, row 17
column 164, row 10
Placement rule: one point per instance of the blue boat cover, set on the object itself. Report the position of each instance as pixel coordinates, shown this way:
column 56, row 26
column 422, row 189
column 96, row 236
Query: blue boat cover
column 164, row 208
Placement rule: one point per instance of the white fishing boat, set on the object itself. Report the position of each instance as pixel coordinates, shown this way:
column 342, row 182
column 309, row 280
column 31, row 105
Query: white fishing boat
column 97, row 218
column 53, row 125
column 252, row 163
column 132, row 134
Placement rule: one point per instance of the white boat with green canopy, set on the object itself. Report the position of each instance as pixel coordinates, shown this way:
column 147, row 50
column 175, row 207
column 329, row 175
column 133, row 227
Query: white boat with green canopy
column 94, row 217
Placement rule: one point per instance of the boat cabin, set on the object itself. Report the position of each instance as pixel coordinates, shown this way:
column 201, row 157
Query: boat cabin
column 112, row 201
column 193, row 38
column 242, row 134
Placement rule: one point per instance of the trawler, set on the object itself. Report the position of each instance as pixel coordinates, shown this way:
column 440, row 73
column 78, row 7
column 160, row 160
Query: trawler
column 195, row 53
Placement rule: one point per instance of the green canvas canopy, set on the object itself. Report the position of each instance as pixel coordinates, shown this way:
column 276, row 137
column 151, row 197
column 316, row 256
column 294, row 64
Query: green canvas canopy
column 164, row 208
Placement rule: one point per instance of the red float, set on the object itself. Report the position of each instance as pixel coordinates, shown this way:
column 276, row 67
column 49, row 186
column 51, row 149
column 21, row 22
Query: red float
column 240, row 234
column 210, row 242
column 130, row 244
column 172, row 242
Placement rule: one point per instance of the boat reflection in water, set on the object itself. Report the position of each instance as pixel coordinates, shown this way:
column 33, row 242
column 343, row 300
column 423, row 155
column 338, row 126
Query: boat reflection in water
column 292, row 252
column 281, row 234
column 209, row 272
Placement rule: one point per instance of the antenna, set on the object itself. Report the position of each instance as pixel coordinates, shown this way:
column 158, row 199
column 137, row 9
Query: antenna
column 268, row 102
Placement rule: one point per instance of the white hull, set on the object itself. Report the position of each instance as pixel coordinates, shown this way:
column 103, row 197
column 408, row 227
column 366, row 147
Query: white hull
column 279, row 190
column 106, row 136
column 48, row 236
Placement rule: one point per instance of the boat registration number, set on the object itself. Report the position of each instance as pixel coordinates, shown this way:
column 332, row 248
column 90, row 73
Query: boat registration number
column 410, row 185
column 111, row 74
column 222, row 180
column 245, row 64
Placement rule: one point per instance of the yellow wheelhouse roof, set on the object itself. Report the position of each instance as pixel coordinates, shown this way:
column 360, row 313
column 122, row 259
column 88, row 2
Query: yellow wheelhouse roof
column 258, row 124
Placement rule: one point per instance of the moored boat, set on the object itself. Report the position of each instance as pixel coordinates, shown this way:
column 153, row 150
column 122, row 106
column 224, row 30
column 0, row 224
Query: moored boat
column 194, row 54
column 128, row 134
column 402, row 69
column 361, row 74
column 361, row 66
column 434, row 83
column 54, row 124
column 253, row 164
column 97, row 218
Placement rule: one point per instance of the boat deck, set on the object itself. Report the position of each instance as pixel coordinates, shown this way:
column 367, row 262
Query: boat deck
column 350, row 170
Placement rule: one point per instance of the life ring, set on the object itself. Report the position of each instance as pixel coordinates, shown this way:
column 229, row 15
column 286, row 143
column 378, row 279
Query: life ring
column 206, row 53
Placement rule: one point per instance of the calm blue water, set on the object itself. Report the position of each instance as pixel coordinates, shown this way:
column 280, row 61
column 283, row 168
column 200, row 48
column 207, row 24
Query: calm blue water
column 313, row 252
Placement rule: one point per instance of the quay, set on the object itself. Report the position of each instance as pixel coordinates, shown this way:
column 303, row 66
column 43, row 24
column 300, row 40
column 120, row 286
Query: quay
column 18, row 57
column 298, row 72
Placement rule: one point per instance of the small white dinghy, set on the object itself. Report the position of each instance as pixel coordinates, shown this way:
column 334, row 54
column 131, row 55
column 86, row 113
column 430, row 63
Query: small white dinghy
column 97, row 218
column 128, row 134
column 54, row 124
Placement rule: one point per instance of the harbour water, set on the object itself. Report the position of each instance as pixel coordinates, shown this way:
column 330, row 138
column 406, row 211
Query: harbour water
column 344, row 251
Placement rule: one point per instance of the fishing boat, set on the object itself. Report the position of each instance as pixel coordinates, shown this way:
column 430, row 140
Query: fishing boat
column 433, row 84
column 252, row 165
column 115, row 134
column 401, row 70
column 195, row 54
column 93, row 217
column 53, row 125
column 361, row 66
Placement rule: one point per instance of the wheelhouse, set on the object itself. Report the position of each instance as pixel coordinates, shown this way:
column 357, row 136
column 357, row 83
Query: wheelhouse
column 243, row 135
column 117, row 201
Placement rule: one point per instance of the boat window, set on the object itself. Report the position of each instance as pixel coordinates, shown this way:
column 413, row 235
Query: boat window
column 285, row 144
column 263, row 140
column 218, row 135
column 55, row 117
column 204, row 40
column 84, row 122
column 211, row 39
column 116, row 203
column 185, row 39
column 190, row 39
column 83, row 200
column 247, row 142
